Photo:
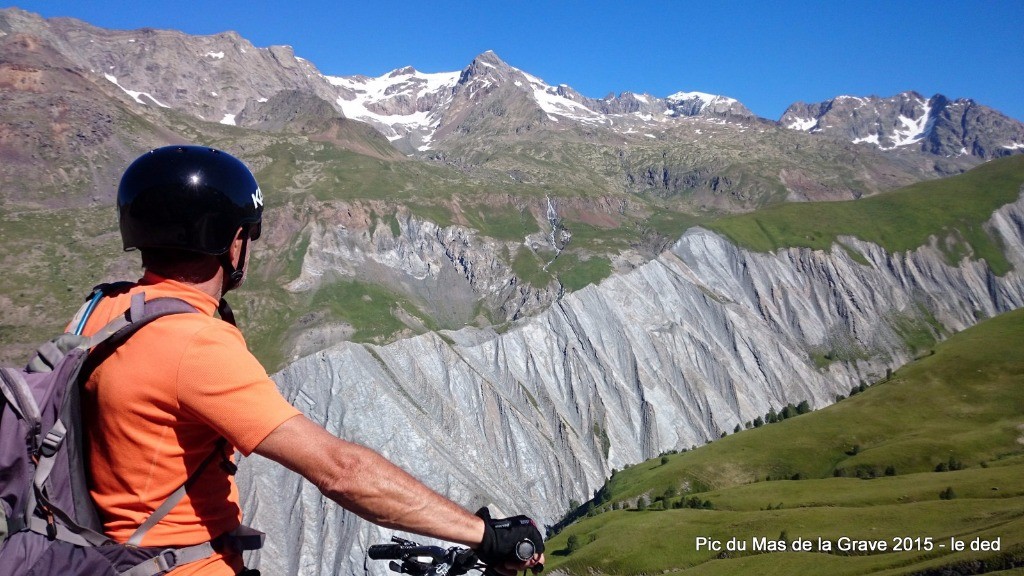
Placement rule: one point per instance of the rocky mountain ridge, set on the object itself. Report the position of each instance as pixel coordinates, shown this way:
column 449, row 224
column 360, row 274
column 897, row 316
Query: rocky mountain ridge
column 935, row 125
column 209, row 77
column 216, row 77
column 671, row 355
column 418, row 108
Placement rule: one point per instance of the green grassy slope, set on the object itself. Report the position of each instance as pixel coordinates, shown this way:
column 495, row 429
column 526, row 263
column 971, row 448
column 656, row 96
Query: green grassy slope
column 952, row 209
column 962, row 406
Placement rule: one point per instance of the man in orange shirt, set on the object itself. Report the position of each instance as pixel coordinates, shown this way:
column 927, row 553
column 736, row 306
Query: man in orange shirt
column 159, row 405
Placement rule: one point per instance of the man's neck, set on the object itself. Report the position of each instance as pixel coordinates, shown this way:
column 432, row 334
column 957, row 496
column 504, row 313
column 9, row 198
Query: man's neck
column 214, row 286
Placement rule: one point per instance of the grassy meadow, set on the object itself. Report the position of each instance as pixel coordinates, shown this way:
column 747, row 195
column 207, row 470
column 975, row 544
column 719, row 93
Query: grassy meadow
column 929, row 459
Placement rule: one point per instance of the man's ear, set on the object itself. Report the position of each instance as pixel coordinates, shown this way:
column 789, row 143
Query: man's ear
column 235, row 249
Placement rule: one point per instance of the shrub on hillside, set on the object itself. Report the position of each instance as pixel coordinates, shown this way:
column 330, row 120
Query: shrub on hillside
column 572, row 544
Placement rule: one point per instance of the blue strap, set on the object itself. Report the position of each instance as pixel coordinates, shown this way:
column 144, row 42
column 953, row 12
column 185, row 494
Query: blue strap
column 97, row 295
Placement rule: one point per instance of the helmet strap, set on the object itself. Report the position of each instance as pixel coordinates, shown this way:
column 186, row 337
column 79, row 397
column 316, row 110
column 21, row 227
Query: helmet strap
column 225, row 312
column 233, row 276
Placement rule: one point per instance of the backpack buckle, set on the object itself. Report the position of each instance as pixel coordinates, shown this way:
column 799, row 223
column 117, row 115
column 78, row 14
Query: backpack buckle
column 167, row 559
column 51, row 443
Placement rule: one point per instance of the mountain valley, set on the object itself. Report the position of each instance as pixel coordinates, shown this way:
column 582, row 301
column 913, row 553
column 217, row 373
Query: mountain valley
column 567, row 285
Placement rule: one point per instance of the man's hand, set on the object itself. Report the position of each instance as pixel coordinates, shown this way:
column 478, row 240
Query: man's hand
column 507, row 543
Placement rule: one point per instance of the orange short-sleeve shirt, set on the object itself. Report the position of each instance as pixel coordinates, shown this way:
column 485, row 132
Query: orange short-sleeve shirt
column 156, row 408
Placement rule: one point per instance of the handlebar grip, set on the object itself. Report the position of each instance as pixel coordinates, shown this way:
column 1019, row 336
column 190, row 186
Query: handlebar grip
column 384, row 552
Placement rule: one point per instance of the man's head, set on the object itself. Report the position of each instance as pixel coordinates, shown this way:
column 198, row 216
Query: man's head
column 182, row 205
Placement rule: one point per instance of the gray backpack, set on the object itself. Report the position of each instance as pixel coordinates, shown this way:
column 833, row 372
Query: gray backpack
column 50, row 525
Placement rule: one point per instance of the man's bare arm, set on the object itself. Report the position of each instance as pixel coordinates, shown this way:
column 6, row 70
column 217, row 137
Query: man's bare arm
column 366, row 483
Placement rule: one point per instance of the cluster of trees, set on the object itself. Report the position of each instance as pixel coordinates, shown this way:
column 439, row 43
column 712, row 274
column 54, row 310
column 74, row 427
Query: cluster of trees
column 693, row 502
column 951, row 465
column 663, row 501
column 865, row 472
column 587, row 509
column 602, row 503
column 869, row 471
column 666, row 501
column 864, row 385
column 574, row 543
column 771, row 417
column 789, row 411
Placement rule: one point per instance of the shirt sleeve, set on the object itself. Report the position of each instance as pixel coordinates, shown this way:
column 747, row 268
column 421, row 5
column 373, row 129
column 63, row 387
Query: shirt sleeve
column 222, row 384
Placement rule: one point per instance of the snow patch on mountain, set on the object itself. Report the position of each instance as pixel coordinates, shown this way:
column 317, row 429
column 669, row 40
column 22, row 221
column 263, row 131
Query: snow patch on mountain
column 398, row 103
column 553, row 101
column 935, row 125
column 869, row 139
column 137, row 95
column 802, row 124
column 913, row 130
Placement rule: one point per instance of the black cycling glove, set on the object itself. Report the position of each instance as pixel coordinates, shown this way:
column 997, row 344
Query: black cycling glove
column 504, row 539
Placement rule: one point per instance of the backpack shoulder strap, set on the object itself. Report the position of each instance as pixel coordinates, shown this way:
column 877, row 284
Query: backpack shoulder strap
column 141, row 313
column 18, row 396
column 138, row 315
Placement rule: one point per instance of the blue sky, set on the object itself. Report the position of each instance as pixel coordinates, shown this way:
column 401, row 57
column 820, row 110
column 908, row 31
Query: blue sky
column 765, row 54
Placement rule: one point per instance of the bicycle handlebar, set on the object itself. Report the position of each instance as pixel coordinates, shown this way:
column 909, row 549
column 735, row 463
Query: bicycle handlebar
column 384, row 552
column 419, row 560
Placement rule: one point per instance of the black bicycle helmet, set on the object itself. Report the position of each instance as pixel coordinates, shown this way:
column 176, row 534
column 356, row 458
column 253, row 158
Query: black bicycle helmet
column 187, row 198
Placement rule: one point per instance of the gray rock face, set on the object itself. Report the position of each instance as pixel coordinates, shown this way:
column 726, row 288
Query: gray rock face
column 212, row 77
column 451, row 270
column 937, row 125
column 963, row 126
column 291, row 110
column 702, row 338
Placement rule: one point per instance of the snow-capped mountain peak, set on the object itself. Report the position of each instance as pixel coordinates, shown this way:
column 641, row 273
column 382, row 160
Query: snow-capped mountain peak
column 223, row 77
column 935, row 125
column 695, row 103
column 704, row 97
